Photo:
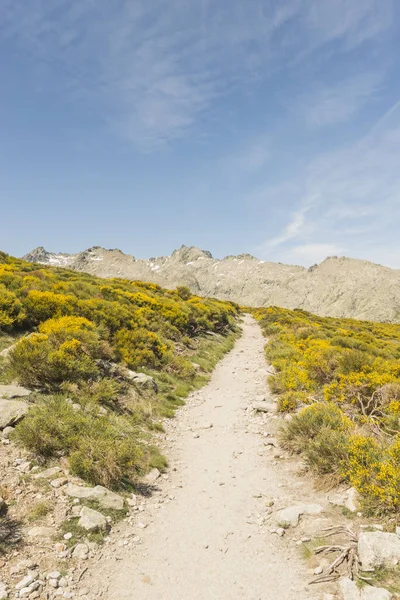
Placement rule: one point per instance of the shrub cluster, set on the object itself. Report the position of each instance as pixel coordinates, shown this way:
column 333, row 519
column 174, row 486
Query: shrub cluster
column 78, row 333
column 348, row 372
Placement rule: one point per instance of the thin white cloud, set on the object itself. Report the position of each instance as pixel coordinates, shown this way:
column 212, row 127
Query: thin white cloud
column 356, row 202
column 152, row 70
column 338, row 103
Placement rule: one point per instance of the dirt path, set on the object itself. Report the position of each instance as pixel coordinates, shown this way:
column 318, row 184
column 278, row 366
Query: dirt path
column 206, row 536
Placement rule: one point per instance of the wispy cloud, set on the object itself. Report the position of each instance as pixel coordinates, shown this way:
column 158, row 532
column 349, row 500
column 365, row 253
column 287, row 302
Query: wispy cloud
column 329, row 105
column 354, row 197
column 294, row 227
column 152, row 70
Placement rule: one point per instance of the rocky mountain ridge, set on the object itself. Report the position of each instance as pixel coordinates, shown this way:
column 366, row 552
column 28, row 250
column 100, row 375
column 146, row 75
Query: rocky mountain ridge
column 338, row 287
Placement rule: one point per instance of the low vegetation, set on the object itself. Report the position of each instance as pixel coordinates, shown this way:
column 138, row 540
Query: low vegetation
column 77, row 339
column 341, row 377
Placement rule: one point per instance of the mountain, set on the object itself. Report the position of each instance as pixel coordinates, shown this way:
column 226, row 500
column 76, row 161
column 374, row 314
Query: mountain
column 338, row 287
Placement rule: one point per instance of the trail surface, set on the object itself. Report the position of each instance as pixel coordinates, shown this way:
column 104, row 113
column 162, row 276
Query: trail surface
column 203, row 535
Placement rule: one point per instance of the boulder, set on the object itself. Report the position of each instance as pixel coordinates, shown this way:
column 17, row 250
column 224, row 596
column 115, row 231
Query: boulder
column 11, row 412
column 292, row 514
column 48, row 473
column 350, row 591
column 378, row 549
column 9, row 392
column 100, row 494
column 92, row 520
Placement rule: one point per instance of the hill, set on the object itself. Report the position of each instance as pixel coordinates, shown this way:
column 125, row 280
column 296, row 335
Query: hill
column 337, row 287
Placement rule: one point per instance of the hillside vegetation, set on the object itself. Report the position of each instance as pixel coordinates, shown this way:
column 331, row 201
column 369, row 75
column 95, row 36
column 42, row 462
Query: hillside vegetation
column 342, row 379
column 78, row 343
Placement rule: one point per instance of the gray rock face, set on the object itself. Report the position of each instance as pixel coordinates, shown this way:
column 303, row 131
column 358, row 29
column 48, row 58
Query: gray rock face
column 350, row 591
column 13, row 391
column 3, row 591
column 92, row 520
column 378, row 549
column 338, row 287
column 100, row 494
column 11, row 412
column 292, row 514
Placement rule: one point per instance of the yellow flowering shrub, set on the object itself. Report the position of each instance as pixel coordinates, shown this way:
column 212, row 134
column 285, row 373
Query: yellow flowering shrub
column 351, row 369
column 11, row 309
column 140, row 348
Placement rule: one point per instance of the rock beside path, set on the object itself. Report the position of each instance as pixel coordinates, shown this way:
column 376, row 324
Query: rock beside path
column 350, row 591
column 378, row 549
column 104, row 497
column 291, row 515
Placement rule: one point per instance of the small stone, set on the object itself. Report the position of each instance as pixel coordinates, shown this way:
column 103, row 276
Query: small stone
column 59, row 482
column 67, row 536
column 318, row 571
column 58, row 547
column 62, row 582
column 81, row 552
column 25, row 582
column 54, row 575
column 280, row 531
column 152, row 476
column 53, row 583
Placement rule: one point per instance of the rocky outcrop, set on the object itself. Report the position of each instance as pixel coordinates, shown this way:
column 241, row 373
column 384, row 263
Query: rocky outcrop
column 338, row 287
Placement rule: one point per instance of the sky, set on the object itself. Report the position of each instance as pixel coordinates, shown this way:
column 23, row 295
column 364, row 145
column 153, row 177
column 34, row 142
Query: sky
column 263, row 126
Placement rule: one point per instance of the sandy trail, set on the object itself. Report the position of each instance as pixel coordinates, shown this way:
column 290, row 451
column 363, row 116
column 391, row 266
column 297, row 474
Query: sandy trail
column 209, row 540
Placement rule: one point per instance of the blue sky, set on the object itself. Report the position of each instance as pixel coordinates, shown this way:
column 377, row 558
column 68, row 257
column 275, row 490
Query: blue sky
column 262, row 126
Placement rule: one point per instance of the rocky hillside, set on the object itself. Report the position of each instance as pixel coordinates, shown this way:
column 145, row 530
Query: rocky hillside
column 338, row 287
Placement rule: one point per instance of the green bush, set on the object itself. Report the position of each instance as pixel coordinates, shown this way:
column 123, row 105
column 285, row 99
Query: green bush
column 102, row 449
column 297, row 433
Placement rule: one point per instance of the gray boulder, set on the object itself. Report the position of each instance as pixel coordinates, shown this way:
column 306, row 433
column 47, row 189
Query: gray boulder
column 100, row 494
column 292, row 514
column 92, row 520
column 378, row 549
column 48, row 473
column 13, row 391
column 11, row 412
column 350, row 591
